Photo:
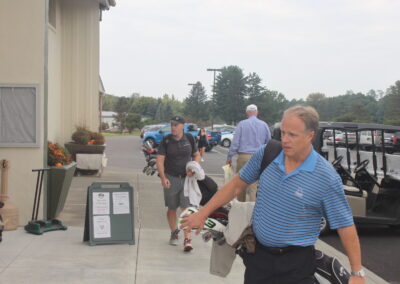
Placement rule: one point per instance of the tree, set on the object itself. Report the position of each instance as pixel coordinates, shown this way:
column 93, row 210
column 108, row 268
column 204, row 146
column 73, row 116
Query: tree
column 109, row 102
column 254, row 90
column 121, row 108
column 133, row 120
column 195, row 103
column 229, row 95
column 391, row 104
column 271, row 105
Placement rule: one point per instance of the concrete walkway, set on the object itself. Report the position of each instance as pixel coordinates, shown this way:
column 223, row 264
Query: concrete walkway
column 62, row 257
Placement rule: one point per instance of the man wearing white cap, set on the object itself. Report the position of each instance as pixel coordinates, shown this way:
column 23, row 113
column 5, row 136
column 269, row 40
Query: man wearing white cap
column 250, row 134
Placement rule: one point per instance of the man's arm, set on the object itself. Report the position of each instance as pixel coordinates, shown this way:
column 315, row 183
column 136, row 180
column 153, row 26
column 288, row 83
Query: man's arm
column 160, row 168
column 351, row 244
column 235, row 144
column 229, row 191
column 196, row 156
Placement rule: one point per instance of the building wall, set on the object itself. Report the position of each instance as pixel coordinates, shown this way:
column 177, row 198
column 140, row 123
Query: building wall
column 80, row 66
column 55, row 121
column 22, row 34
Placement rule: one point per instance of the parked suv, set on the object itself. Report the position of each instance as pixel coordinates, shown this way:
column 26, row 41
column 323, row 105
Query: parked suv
column 155, row 137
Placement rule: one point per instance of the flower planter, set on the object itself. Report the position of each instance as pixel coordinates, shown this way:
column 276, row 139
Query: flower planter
column 75, row 148
column 58, row 183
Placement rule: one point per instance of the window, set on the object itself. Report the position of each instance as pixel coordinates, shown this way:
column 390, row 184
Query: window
column 19, row 116
column 52, row 13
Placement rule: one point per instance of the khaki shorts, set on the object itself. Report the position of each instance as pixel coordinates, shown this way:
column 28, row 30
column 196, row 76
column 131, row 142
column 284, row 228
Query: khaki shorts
column 173, row 196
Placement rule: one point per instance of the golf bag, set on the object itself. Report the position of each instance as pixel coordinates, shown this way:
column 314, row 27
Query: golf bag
column 150, row 155
column 328, row 269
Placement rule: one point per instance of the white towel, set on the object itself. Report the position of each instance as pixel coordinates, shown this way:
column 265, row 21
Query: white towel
column 191, row 188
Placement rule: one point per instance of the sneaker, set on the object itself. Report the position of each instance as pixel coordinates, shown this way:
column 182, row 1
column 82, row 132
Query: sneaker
column 187, row 245
column 202, row 159
column 173, row 240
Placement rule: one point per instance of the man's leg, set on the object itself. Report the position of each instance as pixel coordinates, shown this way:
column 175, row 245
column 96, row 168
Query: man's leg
column 171, row 198
column 241, row 161
column 252, row 192
column 171, row 217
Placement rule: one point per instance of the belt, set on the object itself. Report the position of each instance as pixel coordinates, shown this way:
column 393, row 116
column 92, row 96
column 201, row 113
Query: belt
column 280, row 250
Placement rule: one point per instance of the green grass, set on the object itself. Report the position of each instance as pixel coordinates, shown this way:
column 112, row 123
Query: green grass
column 135, row 133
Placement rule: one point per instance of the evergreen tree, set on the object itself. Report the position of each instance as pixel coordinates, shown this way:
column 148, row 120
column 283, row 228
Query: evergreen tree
column 229, row 96
column 195, row 103
column 391, row 104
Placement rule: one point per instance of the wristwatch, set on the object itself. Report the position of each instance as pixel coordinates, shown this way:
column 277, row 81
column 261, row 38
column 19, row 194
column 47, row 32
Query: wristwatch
column 360, row 273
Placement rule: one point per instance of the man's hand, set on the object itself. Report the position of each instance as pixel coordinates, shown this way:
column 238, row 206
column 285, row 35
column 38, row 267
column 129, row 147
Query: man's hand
column 165, row 183
column 357, row 280
column 195, row 221
column 229, row 162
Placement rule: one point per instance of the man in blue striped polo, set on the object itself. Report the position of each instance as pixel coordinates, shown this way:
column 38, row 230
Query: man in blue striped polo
column 295, row 191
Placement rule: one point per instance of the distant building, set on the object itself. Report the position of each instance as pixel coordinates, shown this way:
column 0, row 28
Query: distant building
column 108, row 117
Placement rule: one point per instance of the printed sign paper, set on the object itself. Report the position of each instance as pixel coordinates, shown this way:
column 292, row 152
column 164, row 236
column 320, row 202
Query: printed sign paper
column 101, row 203
column 101, row 227
column 121, row 202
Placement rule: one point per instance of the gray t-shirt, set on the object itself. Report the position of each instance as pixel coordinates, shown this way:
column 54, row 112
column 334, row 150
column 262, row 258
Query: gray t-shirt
column 177, row 154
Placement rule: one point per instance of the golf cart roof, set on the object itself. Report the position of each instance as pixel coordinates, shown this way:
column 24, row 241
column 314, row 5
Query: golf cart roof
column 354, row 126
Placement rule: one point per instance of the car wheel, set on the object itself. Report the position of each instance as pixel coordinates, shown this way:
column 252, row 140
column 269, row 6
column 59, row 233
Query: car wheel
column 151, row 141
column 324, row 226
column 226, row 143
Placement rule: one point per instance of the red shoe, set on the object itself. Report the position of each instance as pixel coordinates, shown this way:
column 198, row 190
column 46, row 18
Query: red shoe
column 187, row 245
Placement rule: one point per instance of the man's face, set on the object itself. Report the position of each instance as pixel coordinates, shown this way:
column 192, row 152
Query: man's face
column 295, row 138
column 176, row 129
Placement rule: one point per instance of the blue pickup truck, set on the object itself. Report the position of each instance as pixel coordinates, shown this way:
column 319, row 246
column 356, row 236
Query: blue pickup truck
column 155, row 137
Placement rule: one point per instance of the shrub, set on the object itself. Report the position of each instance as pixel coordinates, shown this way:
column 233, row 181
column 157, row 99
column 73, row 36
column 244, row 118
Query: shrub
column 81, row 135
column 98, row 138
column 84, row 136
column 57, row 155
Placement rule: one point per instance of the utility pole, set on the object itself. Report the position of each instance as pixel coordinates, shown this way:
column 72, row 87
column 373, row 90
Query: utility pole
column 213, row 70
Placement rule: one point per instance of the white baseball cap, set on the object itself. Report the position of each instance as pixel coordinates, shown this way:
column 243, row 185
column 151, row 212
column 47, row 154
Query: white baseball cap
column 251, row 108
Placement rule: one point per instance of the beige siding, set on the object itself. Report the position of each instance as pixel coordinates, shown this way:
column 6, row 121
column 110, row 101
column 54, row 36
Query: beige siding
column 22, row 26
column 80, row 65
column 55, row 121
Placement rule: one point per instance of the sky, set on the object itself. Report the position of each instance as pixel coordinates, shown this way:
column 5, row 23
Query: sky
column 297, row 47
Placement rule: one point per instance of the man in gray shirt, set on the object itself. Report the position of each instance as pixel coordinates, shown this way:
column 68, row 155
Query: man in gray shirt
column 174, row 152
column 250, row 134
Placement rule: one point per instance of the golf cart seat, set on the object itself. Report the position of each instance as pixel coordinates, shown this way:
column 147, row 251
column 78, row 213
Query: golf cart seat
column 393, row 166
column 354, row 189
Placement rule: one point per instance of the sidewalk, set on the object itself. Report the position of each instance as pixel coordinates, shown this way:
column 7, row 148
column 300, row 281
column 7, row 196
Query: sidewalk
column 62, row 257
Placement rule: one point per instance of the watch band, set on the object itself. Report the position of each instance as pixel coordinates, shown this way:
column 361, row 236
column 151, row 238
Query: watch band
column 360, row 273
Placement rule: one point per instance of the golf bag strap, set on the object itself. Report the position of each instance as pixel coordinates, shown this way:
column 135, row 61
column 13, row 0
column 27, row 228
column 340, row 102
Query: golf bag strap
column 169, row 136
column 271, row 151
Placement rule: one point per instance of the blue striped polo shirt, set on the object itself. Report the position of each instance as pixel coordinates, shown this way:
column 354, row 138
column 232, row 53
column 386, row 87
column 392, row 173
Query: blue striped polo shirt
column 289, row 207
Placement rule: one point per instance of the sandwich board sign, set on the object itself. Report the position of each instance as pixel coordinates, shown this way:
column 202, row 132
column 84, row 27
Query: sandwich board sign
column 109, row 214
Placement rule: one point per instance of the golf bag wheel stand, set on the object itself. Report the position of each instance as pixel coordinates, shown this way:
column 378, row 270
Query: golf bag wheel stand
column 36, row 226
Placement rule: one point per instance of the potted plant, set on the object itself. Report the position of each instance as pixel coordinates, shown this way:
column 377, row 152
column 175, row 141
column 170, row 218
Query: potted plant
column 59, row 178
column 85, row 141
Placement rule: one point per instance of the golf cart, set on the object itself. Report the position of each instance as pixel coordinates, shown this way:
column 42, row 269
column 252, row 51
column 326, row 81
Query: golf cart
column 370, row 175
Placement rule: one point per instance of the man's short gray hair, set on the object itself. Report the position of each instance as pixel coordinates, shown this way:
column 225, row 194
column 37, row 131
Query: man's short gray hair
column 307, row 114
